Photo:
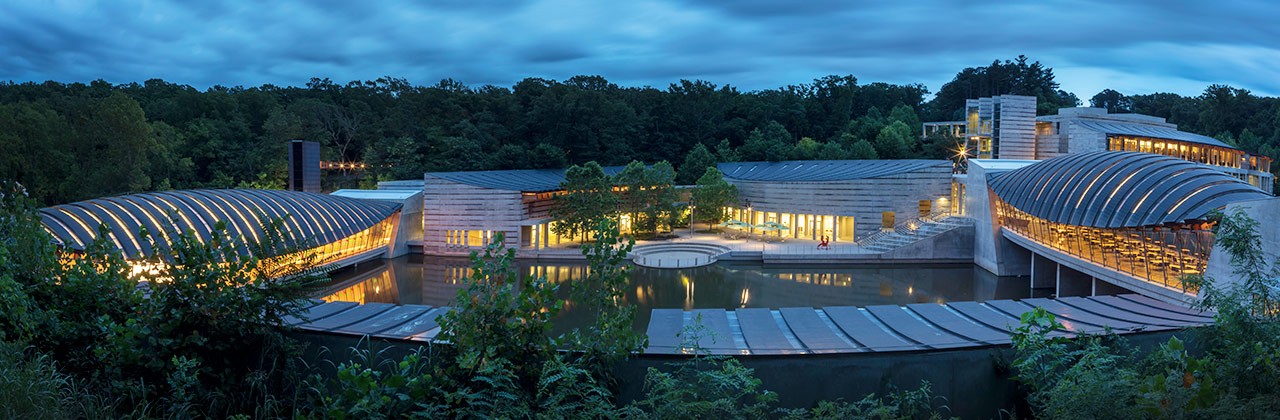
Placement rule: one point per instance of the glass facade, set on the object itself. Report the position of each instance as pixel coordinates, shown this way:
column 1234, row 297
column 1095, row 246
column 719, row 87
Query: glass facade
column 799, row 225
column 376, row 236
column 1160, row 255
column 1199, row 153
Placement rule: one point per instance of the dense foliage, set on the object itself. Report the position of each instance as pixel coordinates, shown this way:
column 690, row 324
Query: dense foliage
column 196, row 334
column 1232, row 375
column 711, row 195
column 76, row 141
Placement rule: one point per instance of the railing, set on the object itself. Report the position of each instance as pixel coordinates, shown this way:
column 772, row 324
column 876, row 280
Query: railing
column 1161, row 255
column 911, row 228
column 659, row 262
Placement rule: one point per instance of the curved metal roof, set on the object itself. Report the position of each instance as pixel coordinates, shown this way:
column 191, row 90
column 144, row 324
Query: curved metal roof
column 1119, row 189
column 823, row 170
column 523, row 180
column 313, row 219
column 1143, row 130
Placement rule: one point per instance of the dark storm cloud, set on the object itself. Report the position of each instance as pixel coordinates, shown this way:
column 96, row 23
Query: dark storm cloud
column 1135, row 47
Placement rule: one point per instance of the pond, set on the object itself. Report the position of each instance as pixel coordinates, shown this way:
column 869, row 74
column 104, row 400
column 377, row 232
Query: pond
column 435, row 281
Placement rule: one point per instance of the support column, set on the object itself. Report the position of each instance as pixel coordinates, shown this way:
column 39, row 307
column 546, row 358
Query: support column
column 1043, row 275
column 1073, row 283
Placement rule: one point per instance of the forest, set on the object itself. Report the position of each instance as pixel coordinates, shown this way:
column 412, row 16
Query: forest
column 73, row 141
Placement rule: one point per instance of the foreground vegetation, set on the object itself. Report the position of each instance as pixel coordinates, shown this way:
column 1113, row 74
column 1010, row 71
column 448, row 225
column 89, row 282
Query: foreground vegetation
column 203, row 339
column 1232, row 374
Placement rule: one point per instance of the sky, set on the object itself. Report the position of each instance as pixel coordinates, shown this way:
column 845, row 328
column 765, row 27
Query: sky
column 1135, row 47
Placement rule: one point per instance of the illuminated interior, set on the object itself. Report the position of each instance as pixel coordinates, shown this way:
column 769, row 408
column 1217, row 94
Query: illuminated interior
column 379, row 288
column 799, row 225
column 1199, row 153
column 1157, row 254
column 332, row 228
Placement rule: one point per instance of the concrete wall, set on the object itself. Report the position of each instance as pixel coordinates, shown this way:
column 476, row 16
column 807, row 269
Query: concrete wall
column 1267, row 213
column 448, row 205
column 864, row 199
column 955, row 244
column 409, row 228
column 1017, row 126
column 991, row 251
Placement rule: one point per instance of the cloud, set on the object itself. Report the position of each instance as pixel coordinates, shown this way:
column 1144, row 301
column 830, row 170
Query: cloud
column 1137, row 47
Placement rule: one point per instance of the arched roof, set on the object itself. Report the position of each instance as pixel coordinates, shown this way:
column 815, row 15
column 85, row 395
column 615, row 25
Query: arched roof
column 313, row 219
column 1119, row 189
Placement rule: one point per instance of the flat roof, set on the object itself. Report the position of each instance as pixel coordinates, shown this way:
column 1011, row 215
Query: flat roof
column 1144, row 130
column 401, row 184
column 388, row 195
column 523, row 180
column 824, row 170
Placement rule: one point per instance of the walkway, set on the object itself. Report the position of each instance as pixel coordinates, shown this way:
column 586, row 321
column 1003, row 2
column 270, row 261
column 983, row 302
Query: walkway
column 797, row 331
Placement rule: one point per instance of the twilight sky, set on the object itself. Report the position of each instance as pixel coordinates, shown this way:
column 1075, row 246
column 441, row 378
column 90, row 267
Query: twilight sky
column 1132, row 46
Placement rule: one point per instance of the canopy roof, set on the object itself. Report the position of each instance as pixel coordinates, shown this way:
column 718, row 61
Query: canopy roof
column 824, row 170
column 309, row 219
column 1119, row 189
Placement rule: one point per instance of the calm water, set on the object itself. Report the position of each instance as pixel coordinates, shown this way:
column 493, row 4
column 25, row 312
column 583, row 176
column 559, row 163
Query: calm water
column 726, row 285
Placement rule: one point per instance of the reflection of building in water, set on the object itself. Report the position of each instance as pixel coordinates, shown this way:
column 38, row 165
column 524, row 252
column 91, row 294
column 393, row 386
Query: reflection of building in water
column 436, row 282
column 378, row 288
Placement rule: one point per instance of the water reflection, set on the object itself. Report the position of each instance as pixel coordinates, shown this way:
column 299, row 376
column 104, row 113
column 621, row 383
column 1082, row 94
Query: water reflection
column 436, row 281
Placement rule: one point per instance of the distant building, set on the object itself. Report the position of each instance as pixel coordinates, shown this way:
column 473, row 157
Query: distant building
column 1001, row 127
column 1005, row 127
column 304, row 166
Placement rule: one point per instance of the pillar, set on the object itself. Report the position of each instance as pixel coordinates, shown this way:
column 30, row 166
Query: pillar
column 1043, row 274
column 1073, row 283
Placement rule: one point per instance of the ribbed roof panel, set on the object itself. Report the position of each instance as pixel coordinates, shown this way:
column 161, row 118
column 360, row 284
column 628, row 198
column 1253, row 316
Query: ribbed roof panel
column 314, row 219
column 1120, row 189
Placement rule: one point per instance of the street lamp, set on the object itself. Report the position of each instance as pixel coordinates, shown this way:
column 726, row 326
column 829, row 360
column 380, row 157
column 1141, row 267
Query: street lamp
column 692, row 208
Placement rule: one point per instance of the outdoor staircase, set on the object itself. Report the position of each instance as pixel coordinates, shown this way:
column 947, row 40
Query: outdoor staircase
column 912, row 231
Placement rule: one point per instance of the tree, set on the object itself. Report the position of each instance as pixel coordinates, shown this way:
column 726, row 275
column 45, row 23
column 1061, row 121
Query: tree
column 908, row 116
column 770, row 144
column 863, row 150
column 726, row 153
column 712, row 196
column 631, row 183
column 894, row 141
column 587, row 197
column 1016, row 77
column 660, row 196
column 695, row 163
column 806, row 149
column 546, row 156
column 510, row 156
column 1114, row 102
column 832, row 150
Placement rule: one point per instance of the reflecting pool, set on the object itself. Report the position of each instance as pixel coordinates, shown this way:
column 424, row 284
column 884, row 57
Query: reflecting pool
column 726, row 285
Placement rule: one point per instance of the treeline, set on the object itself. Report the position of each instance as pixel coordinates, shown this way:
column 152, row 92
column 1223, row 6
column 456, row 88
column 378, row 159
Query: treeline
column 76, row 141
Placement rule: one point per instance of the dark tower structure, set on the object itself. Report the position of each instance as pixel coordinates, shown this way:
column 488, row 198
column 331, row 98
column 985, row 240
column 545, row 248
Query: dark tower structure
column 304, row 166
